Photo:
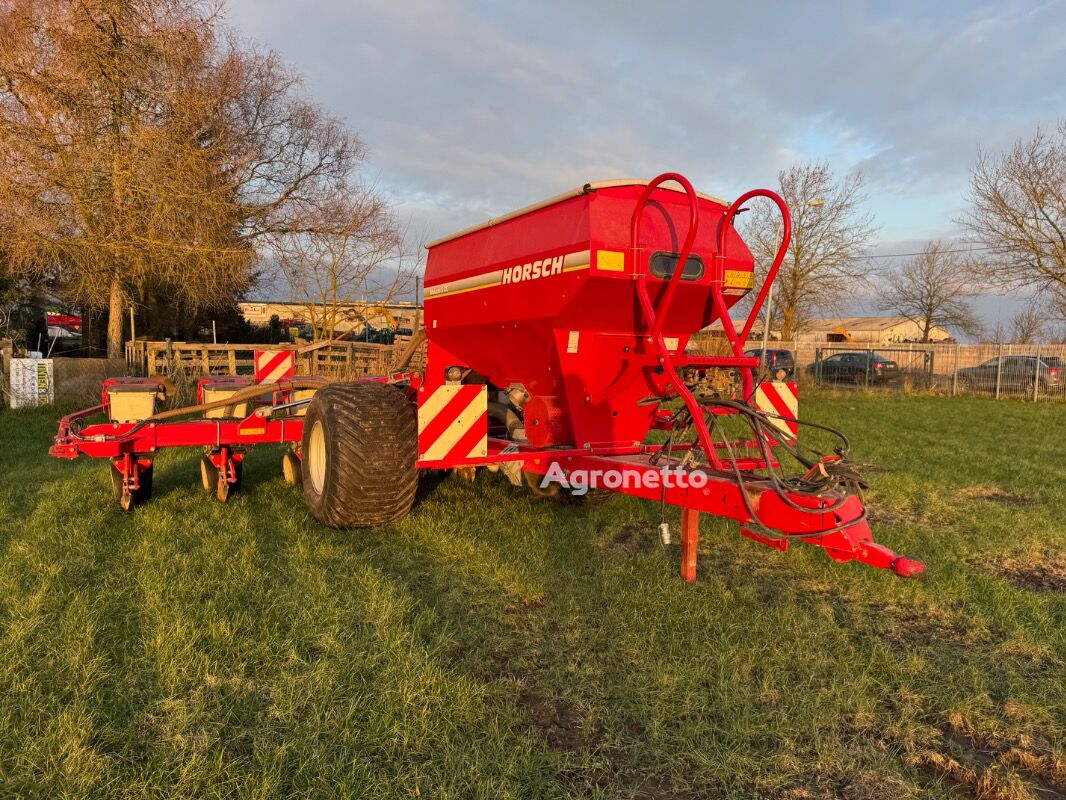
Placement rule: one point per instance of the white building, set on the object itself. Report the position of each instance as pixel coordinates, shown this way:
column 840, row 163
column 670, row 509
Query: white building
column 867, row 330
column 406, row 315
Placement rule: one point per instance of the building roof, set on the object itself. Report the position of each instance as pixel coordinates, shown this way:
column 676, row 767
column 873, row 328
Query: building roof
column 854, row 323
column 828, row 325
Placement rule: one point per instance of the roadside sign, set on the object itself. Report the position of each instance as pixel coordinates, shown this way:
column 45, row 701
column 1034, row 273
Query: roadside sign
column 31, row 382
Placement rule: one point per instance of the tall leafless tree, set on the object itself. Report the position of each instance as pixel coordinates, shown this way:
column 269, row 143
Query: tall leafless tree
column 1018, row 212
column 829, row 229
column 931, row 289
column 997, row 333
column 362, row 257
column 143, row 147
column 1029, row 324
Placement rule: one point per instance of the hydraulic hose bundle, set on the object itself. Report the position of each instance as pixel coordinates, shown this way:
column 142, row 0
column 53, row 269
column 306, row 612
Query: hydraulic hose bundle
column 826, row 474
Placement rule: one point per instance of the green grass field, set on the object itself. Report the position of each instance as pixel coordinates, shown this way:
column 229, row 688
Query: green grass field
column 498, row 645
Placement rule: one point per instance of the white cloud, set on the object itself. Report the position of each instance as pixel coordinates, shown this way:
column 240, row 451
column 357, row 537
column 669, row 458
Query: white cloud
column 473, row 108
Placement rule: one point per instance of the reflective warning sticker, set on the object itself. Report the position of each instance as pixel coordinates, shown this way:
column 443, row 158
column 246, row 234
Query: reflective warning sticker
column 779, row 399
column 274, row 365
column 453, row 423
column 610, row 261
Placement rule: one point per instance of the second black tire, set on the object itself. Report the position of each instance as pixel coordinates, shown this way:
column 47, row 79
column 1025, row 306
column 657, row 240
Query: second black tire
column 360, row 445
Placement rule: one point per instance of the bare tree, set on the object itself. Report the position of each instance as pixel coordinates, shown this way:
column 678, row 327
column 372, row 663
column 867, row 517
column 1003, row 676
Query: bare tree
column 143, row 149
column 829, row 230
column 1018, row 212
column 931, row 289
column 1029, row 325
column 997, row 334
column 362, row 257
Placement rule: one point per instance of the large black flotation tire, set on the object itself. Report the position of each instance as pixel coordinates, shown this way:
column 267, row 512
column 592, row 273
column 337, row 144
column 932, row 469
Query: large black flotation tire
column 360, row 445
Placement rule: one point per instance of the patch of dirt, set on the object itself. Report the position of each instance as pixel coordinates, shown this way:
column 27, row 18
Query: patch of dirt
column 930, row 627
column 1044, row 771
column 879, row 515
column 994, row 494
column 629, row 541
column 859, row 785
column 1046, row 767
column 535, row 603
column 987, row 769
column 980, row 784
column 1044, row 573
column 562, row 724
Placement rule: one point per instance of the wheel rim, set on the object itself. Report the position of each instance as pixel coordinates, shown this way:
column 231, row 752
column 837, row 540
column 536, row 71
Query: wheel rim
column 316, row 457
column 208, row 474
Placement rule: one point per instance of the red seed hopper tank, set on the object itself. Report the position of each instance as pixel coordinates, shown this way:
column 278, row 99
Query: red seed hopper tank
column 547, row 297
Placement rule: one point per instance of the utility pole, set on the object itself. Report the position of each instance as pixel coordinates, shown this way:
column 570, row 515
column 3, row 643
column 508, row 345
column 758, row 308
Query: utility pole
column 419, row 315
column 766, row 325
column 817, row 203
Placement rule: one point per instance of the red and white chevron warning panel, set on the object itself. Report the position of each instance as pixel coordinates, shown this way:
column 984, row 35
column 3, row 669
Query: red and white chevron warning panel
column 274, row 365
column 779, row 398
column 453, row 423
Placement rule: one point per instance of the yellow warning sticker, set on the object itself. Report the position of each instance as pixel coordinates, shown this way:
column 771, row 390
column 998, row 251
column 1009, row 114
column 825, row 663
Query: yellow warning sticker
column 611, row 261
column 739, row 279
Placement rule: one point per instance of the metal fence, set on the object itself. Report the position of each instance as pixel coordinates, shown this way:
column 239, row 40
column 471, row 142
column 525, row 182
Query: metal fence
column 336, row 359
column 1031, row 372
column 74, row 380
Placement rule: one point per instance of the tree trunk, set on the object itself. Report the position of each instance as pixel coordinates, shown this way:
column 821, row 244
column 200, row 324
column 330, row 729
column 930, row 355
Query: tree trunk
column 788, row 324
column 114, row 321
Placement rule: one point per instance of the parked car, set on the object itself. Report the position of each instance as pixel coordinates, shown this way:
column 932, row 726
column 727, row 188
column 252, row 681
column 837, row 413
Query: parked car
column 779, row 363
column 1014, row 374
column 861, row 368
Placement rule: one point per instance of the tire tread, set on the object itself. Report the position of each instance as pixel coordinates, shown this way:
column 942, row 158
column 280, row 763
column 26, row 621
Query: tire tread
column 372, row 446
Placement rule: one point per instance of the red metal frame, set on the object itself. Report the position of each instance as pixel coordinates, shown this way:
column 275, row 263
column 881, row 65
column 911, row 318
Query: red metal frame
column 850, row 539
column 114, row 440
column 131, row 446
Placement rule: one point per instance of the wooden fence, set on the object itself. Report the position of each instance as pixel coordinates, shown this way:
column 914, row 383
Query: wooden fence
column 335, row 359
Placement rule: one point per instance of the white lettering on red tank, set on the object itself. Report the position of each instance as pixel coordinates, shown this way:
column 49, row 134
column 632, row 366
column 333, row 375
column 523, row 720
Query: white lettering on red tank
column 541, row 268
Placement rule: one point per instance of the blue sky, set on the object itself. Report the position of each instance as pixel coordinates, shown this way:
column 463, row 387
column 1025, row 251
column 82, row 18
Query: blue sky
column 473, row 108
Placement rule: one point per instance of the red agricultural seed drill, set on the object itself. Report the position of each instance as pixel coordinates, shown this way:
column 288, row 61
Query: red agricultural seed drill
column 556, row 341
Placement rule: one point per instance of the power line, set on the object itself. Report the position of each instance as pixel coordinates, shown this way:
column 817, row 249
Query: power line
column 907, row 255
